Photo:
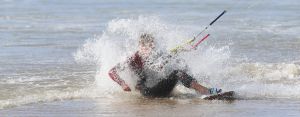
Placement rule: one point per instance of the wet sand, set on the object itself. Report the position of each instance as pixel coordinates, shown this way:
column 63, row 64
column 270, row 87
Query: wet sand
column 157, row 107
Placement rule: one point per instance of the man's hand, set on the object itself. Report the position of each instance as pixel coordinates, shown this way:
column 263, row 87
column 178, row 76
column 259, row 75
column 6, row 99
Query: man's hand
column 126, row 87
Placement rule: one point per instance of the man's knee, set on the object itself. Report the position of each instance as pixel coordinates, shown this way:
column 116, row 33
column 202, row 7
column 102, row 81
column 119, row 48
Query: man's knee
column 185, row 79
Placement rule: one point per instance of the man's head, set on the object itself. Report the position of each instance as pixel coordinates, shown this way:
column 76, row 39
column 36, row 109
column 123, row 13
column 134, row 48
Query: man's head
column 146, row 39
column 146, row 43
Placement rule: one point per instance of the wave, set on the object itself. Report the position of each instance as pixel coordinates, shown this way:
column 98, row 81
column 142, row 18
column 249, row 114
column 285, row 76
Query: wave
column 50, row 95
column 248, row 80
column 263, row 80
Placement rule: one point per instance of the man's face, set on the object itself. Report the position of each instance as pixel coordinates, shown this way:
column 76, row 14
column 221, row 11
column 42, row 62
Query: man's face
column 146, row 48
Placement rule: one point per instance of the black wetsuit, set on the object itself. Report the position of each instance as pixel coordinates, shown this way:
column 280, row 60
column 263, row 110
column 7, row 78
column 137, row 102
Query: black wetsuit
column 165, row 86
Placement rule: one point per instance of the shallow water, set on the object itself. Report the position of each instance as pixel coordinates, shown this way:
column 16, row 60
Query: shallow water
column 61, row 50
column 158, row 107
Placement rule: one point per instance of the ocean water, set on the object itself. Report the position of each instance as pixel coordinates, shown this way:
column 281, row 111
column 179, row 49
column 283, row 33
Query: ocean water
column 56, row 53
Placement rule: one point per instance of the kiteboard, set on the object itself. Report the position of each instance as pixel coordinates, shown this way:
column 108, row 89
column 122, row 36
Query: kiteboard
column 229, row 95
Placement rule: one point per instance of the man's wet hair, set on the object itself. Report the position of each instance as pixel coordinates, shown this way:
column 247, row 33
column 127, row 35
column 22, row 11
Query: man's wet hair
column 146, row 38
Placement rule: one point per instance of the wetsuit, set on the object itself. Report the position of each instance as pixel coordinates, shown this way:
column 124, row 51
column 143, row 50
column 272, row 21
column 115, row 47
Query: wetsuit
column 163, row 87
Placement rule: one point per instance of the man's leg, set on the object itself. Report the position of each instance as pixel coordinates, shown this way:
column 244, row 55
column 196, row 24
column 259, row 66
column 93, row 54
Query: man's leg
column 189, row 82
column 201, row 89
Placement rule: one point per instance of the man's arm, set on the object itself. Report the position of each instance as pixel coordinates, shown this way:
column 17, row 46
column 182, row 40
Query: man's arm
column 115, row 77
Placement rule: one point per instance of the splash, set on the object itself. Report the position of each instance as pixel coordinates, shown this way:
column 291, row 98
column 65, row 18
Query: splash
column 212, row 66
column 119, row 41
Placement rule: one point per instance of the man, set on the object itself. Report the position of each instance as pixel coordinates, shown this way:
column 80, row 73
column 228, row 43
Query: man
column 153, row 82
